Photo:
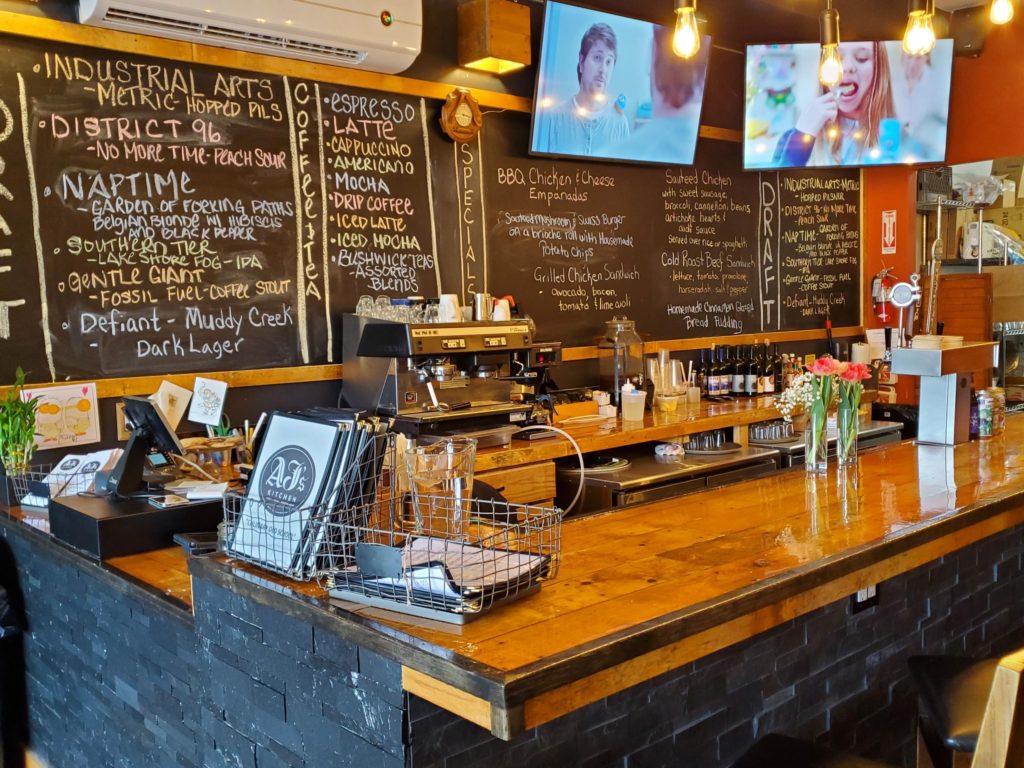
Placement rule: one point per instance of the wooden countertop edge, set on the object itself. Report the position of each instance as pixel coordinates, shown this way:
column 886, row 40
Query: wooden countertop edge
column 509, row 703
column 520, row 453
column 541, row 703
column 120, row 580
column 545, row 691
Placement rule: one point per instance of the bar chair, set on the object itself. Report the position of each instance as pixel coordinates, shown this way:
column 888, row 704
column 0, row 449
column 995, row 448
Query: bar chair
column 1000, row 741
column 952, row 691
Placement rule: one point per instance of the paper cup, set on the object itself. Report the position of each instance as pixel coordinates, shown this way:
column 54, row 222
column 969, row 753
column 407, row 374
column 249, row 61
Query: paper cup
column 502, row 310
column 448, row 310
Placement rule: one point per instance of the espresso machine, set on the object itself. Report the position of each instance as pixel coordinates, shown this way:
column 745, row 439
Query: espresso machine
column 437, row 379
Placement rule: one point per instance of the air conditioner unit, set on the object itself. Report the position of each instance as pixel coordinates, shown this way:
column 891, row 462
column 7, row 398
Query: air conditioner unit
column 376, row 35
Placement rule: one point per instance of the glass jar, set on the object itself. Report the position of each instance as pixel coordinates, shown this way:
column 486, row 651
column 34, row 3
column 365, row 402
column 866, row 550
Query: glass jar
column 847, row 423
column 816, row 443
column 620, row 357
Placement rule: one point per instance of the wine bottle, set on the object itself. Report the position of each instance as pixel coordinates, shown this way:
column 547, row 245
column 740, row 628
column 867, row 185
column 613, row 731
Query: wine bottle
column 752, row 372
column 724, row 375
column 702, row 375
column 766, row 384
column 711, row 377
column 739, row 370
column 762, row 364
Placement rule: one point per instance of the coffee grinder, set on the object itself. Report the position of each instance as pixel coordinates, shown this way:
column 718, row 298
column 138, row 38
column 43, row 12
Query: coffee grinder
column 531, row 374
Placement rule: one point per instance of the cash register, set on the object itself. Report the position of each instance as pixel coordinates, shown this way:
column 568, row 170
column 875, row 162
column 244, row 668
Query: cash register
column 118, row 520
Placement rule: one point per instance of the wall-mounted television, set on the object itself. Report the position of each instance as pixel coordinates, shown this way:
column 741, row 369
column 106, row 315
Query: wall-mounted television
column 889, row 109
column 611, row 88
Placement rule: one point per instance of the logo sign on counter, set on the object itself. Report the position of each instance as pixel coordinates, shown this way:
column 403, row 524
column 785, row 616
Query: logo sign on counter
column 888, row 232
column 287, row 481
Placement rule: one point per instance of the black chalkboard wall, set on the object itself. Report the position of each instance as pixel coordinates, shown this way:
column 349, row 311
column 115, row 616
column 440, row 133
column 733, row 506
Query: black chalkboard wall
column 157, row 216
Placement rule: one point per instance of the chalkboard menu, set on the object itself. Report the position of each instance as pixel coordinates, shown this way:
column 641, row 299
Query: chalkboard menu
column 158, row 216
column 687, row 252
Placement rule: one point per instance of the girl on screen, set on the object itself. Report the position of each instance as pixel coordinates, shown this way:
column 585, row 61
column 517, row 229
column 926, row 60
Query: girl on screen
column 853, row 123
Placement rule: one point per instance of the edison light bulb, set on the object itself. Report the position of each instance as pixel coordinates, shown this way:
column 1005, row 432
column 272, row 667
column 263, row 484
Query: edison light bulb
column 830, row 72
column 1001, row 11
column 686, row 40
column 920, row 35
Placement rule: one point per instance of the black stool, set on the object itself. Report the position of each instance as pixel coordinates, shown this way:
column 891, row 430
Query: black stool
column 953, row 692
column 778, row 751
column 999, row 743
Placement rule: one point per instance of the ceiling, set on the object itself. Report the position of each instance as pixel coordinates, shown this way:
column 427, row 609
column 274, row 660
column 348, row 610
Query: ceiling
column 739, row 22
column 956, row 5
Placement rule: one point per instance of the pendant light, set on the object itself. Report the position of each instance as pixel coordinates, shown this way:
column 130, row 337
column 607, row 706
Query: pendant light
column 1001, row 11
column 493, row 35
column 919, row 39
column 830, row 70
column 686, row 39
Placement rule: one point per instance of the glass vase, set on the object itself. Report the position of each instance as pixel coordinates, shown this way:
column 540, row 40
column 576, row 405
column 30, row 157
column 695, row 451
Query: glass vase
column 847, row 420
column 816, row 443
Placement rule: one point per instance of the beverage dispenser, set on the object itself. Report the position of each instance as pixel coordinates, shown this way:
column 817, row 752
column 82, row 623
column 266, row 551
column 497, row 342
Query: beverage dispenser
column 621, row 356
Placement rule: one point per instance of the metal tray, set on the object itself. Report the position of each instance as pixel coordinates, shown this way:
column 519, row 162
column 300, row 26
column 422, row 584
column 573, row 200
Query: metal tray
column 718, row 450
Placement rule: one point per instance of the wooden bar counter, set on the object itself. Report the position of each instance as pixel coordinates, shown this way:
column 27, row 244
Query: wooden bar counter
column 647, row 590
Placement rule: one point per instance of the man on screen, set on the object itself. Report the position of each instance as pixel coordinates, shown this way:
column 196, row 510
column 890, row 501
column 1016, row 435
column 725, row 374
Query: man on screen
column 677, row 88
column 589, row 119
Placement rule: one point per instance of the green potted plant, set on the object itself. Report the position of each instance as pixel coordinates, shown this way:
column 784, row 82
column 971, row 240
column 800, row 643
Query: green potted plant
column 17, row 435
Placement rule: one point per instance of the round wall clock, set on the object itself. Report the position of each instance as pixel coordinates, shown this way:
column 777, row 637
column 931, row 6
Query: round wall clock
column 461, row 119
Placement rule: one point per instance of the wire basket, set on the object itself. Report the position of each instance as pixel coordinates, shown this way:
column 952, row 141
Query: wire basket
column 440, row 557
column 42, row 482
column 372, row 541
column 292, row 540
column 934, row 184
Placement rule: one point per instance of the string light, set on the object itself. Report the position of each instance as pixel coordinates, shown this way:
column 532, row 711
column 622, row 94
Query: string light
column 686, row 40
column 1001, row 11
column 919, row 39
column 830, row 70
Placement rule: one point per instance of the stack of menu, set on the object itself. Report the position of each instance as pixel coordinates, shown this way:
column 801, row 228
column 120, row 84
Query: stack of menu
column 312, row 470
column 73, row 475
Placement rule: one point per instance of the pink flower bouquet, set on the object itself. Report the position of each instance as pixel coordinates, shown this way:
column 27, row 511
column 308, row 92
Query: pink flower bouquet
column 851, row 387
column 824, row 375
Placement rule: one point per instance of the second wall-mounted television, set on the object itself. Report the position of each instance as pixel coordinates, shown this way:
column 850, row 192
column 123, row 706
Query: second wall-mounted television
column 890, row 108
column 611, row 88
